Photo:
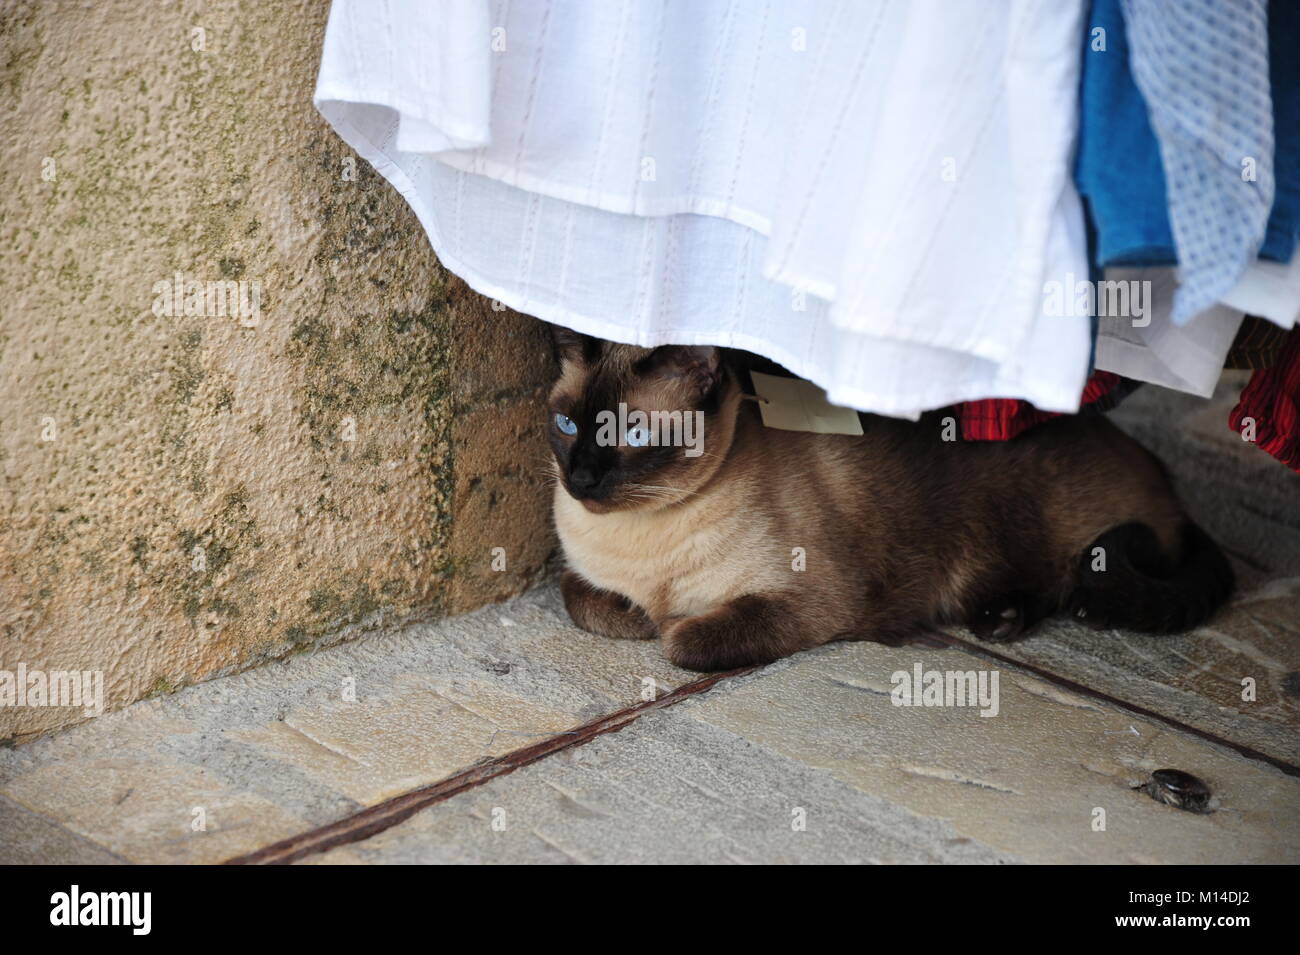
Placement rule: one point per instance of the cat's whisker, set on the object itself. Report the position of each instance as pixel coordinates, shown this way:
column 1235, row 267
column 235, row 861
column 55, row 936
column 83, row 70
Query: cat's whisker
column 657, row 492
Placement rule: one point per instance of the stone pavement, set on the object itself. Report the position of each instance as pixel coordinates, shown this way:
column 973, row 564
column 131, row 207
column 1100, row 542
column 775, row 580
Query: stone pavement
column 518, row 738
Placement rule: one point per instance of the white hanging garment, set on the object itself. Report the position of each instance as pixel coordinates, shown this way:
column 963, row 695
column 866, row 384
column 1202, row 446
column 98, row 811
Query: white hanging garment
column 1190, row 357
column 1152, row 348
column 1270, row 290
column 871, row 193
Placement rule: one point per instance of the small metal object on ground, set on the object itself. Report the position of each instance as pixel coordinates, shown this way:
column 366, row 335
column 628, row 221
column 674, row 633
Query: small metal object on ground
column 1178, row 789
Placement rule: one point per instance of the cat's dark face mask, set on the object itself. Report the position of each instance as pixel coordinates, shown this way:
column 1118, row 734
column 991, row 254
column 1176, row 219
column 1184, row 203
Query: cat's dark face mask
column 636, row 427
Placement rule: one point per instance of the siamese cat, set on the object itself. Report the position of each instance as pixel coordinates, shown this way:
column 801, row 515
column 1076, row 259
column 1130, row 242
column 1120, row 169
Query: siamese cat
column 753, row 543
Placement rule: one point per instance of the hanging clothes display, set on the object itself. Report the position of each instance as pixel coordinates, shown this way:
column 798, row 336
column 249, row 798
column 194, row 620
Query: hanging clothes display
column 729, row 173
column 889, row 209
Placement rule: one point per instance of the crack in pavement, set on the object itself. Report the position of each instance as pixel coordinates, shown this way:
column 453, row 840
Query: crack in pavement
column 390, row 812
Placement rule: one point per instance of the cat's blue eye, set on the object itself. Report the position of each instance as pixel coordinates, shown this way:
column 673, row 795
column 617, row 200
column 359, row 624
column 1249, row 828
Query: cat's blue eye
column 566, row 425
column 637, row 437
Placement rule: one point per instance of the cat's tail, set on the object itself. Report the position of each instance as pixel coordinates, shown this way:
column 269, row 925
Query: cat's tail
column 1125, row 580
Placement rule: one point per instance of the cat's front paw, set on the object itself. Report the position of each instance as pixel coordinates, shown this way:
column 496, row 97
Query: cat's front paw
column 603, row 612
column 1008, row 617
column 998, row 622
column 748, row 631
column 692, row 644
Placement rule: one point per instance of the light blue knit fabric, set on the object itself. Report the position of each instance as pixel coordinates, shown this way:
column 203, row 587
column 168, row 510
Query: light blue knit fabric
column 1202, row 66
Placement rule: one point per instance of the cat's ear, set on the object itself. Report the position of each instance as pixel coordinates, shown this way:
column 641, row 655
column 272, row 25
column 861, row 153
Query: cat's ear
column 701, row 365
column 571, row 346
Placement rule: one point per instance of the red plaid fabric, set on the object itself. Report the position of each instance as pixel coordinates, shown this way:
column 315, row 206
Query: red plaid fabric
column 1001, row 419
column 1270, row 404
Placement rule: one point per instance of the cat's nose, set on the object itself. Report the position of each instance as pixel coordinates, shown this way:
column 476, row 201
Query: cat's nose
column 582, row 480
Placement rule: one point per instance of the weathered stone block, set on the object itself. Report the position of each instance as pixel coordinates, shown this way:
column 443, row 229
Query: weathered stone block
column 231, row 368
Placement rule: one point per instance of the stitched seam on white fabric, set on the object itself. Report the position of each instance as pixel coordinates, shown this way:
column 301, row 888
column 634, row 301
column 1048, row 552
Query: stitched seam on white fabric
column 749, row 103
column 567, row 254
column 422, row 63
column 526, row 121
column 651, row 89
column 781, row 271
column 503, row 11
column 663, row 307
column 615, row 64
column 974, row 338
column 711, row 98
column 458, row 223
column 853, row 309
column 929, row 147
column 868, row 48
column 1029, row 260
column 647, row 298
column 648, row 227
column 528, row 242
column 743, row 296
column 607, row 202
